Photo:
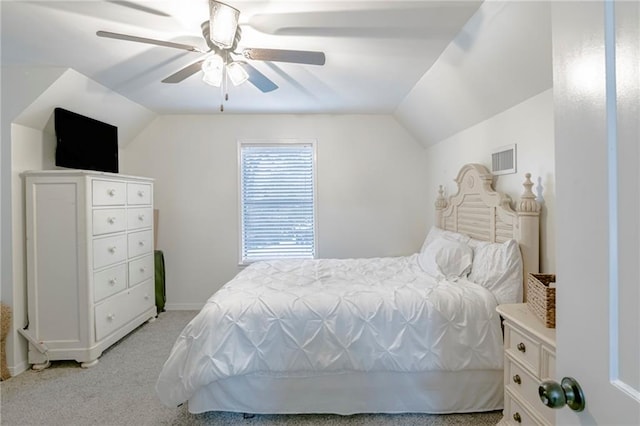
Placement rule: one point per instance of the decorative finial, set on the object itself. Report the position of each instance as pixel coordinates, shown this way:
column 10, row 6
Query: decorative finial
column 441, row 201
column 528, row 203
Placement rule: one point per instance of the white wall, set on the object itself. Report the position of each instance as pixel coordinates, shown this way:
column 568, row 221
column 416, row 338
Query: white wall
column 371, row 190
column 530, row 126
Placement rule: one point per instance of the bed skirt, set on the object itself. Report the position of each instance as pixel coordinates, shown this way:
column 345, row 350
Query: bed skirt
column 351, row 393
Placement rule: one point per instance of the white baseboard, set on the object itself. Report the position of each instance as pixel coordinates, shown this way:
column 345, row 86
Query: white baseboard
column 183, row 306
column 19, row 368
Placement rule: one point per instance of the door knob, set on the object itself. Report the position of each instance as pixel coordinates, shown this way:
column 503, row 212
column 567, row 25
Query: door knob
column 556, row 395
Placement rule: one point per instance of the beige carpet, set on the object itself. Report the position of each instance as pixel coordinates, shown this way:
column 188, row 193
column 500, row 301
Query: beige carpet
column 120, row 391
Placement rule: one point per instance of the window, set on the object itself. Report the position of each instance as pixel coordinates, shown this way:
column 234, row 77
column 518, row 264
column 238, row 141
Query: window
column 277, row 200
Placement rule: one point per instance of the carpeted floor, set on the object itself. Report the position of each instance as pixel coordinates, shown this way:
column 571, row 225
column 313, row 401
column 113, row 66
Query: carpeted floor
column 120, row 391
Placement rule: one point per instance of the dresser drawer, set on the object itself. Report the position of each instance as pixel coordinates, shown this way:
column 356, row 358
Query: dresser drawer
column 106, row 221
column 139, row 218
column 525, row 386
column 548, row 364
column 525, row 349
column 109, row 281
column 120, row 309
column 516, row 414
column 108, row 192
column 138, row 193
column 140, row 270
column 140, row 243
column 109, row 250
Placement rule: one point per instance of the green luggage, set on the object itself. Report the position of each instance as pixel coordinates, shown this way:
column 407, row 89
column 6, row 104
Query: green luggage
column 161, row 297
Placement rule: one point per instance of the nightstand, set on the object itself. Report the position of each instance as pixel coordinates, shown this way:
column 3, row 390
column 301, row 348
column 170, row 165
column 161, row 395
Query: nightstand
column 529, row 359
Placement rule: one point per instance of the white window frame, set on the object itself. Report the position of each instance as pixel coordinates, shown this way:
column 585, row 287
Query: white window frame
column 275, row 142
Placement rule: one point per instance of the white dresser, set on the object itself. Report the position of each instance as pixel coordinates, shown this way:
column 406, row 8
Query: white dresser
column 90, row 264
column 529, row 359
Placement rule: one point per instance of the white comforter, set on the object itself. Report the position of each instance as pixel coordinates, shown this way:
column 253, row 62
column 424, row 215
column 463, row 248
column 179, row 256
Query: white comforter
column 315, row 317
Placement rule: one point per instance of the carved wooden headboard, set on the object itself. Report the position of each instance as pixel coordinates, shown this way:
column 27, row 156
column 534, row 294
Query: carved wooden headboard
column 484, row 214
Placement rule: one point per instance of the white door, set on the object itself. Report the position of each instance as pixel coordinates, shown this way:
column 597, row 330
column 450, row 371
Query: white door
column 597, row 130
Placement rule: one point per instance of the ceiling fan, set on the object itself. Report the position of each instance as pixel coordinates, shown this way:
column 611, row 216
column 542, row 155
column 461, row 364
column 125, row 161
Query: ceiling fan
column 222, row 61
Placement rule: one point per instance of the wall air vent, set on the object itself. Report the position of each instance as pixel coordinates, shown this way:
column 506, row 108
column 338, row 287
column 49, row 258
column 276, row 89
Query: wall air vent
column 503, row 160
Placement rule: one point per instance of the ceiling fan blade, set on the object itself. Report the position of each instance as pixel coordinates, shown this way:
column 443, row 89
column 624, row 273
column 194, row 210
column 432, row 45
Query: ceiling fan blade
column 258, row 79
column 185, row 72
column 139, row 7
column 279, row 55
column 162, row 43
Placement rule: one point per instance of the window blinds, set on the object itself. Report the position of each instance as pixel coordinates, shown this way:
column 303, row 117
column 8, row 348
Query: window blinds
column 277, row 201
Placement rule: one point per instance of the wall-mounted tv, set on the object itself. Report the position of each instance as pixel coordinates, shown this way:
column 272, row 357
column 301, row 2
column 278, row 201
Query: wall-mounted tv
column 85, row 143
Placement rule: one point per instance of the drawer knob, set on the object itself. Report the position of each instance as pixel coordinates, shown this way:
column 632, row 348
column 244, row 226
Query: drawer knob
column 111, row 317
column 111, row 220
column 140, row 217
column 142, row 269
column 516, row 417
column 140, row 193
column 521, row 347
column 111, row 192
column 556, row 395
column 113, row 281
column 517, row 380
column 112, row 249
column 141, row 243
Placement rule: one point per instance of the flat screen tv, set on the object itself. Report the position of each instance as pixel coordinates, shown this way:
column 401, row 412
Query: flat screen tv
column 85, row 143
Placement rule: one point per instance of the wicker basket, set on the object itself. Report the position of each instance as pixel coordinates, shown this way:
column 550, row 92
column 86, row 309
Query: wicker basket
column 541, row 298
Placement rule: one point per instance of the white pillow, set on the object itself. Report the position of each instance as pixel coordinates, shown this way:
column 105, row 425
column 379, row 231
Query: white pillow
column 446, row 258
column 436, row 232
column 498, row 268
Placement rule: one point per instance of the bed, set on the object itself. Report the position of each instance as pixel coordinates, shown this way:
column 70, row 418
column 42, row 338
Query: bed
column 416, row 333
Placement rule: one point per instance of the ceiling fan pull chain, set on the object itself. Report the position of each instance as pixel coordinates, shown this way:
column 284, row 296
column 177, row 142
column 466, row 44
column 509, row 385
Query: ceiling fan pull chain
column 226, row 82
column 222, row 93
column 223, row 86
column 221, row 98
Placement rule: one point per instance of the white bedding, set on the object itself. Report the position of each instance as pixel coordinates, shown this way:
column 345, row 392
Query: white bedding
column 324, row 317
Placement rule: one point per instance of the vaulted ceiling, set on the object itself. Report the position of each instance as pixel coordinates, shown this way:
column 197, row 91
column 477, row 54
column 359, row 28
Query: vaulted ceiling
column 437, row 65
column 375, row 50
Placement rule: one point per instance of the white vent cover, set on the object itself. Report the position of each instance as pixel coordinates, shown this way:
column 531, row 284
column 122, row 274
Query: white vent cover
column 503, row 160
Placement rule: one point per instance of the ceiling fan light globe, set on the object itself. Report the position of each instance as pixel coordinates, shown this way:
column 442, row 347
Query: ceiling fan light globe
column 223, row 23
column 237, row 73
column 212, row 80
column 212, row 62
column 212, row 70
